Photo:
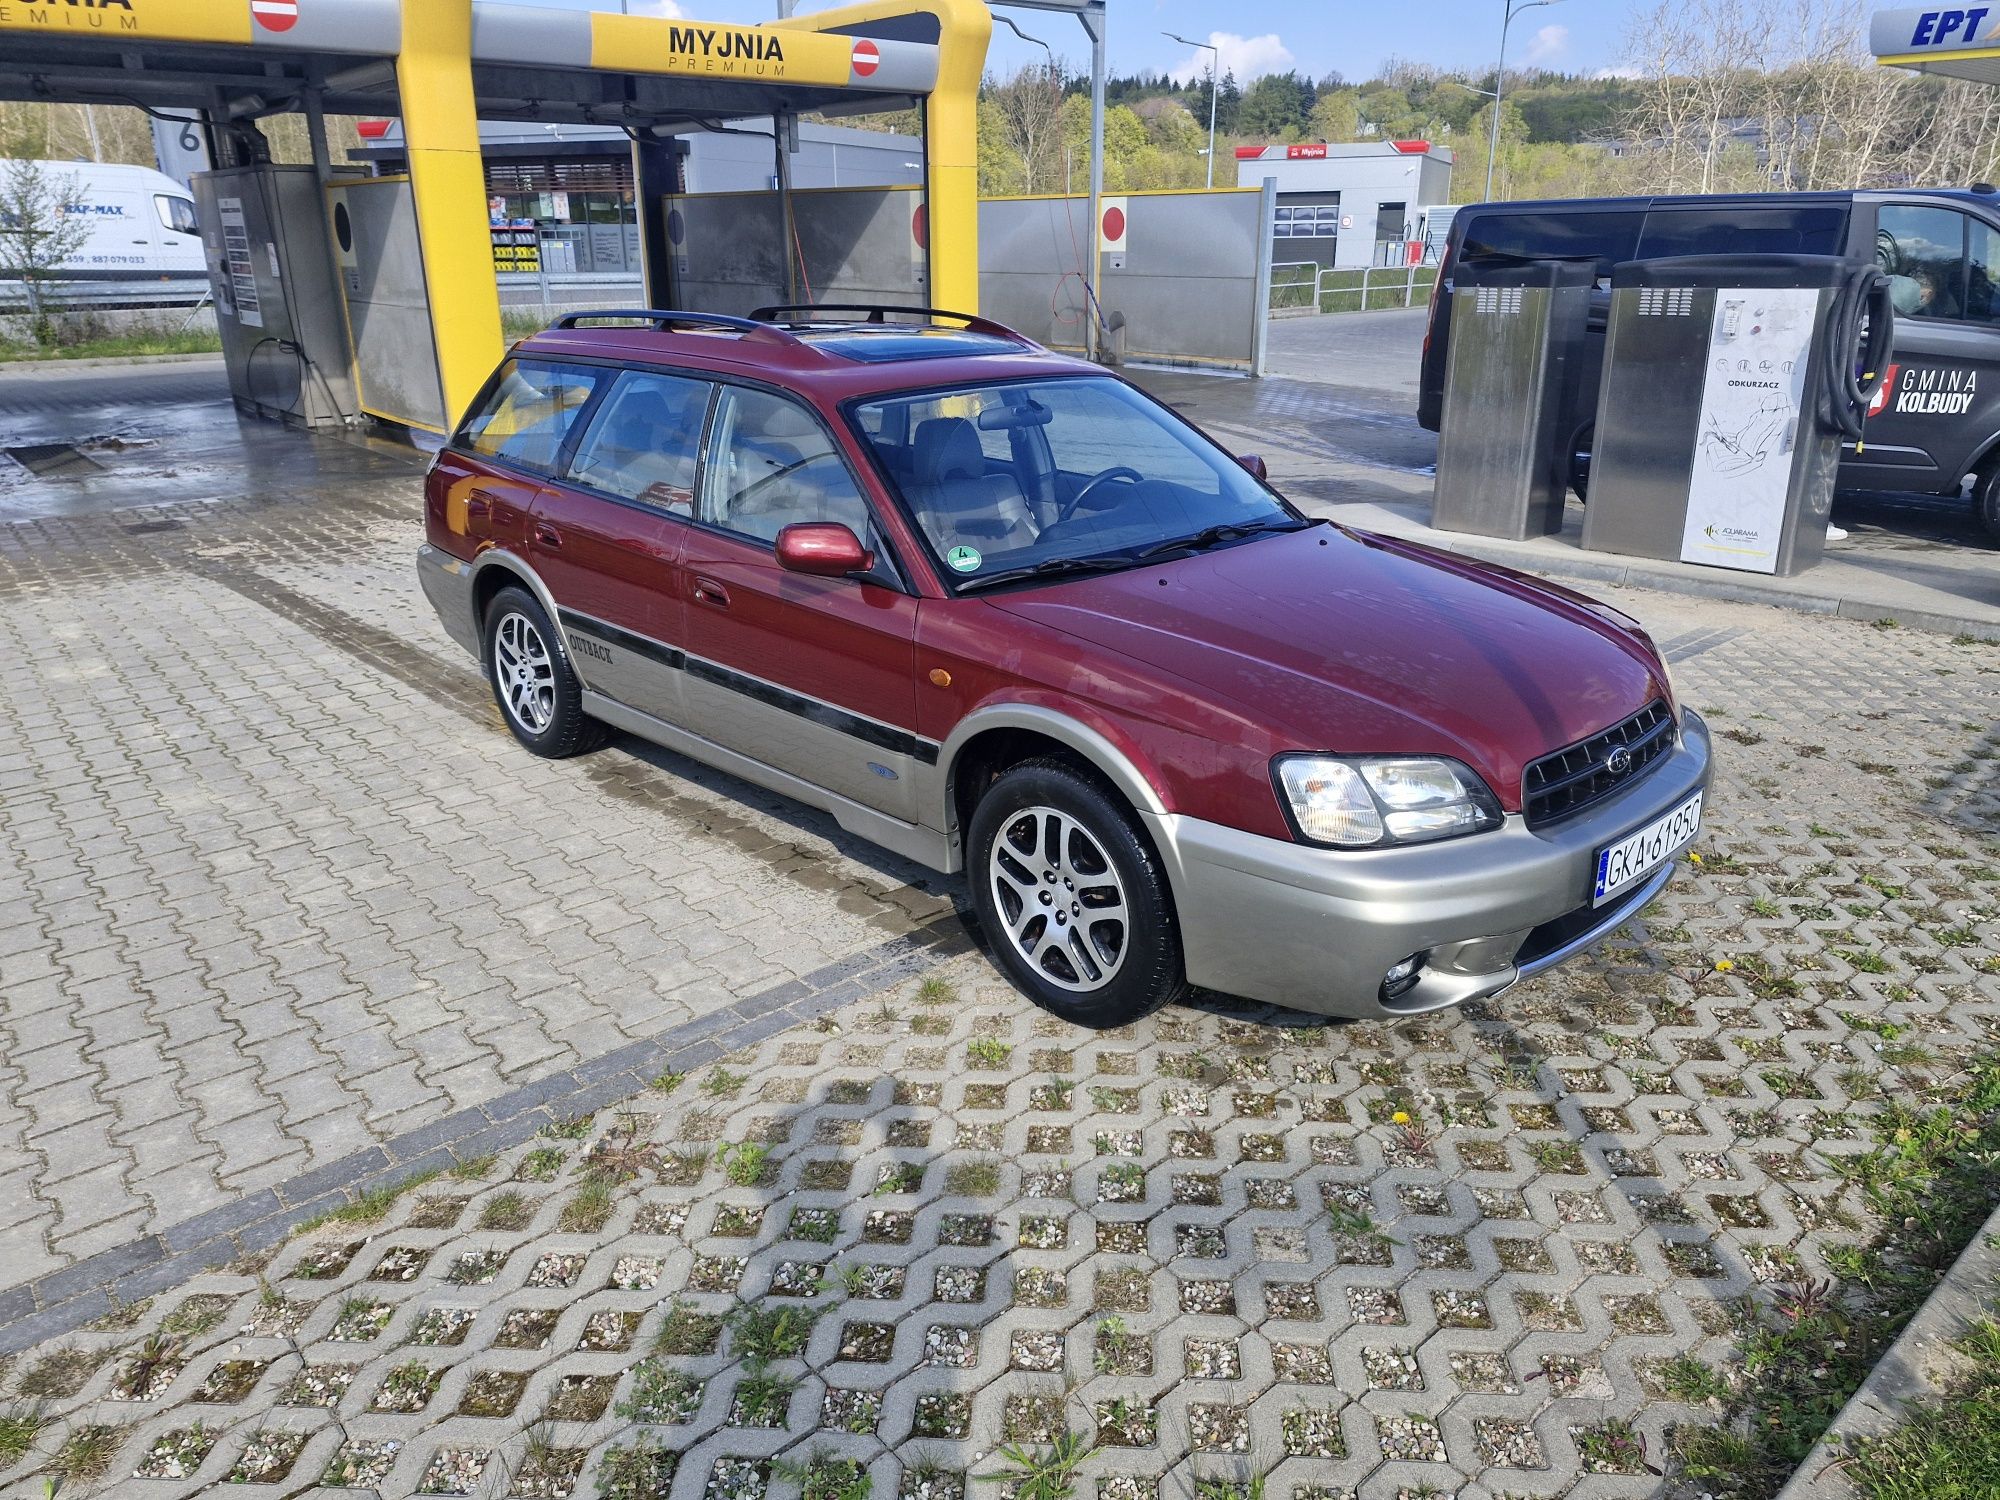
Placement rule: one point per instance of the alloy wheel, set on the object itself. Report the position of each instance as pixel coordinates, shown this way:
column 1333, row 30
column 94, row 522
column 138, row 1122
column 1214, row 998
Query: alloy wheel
column 1060, row 898
column 526, row 673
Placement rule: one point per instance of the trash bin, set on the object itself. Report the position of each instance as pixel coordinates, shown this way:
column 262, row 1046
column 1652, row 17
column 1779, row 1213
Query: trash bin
column 1728, row 385
column 1517, row 331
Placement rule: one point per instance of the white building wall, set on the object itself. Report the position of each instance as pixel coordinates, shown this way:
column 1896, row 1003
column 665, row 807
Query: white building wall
column 1365, row 183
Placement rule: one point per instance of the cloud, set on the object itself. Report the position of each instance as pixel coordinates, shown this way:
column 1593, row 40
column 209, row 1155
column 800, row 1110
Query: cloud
column 1622, row 70
column 1550, row 42
column 1247, row 57
column 665, row 10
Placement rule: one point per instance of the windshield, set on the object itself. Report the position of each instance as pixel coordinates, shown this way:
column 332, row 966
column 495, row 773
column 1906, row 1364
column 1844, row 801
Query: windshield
column 1059, row 475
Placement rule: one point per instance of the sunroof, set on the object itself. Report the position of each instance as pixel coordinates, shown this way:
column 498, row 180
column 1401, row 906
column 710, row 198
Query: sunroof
column 887, row 344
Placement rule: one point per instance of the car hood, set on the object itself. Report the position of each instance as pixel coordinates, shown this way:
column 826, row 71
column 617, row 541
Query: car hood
column 1356, row 644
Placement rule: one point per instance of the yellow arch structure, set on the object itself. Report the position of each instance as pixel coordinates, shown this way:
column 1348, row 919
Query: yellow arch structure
column 432, row 43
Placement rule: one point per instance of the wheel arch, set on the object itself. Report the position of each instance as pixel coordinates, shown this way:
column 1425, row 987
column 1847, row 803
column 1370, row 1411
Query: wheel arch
column 989, row 739
column 492, row 571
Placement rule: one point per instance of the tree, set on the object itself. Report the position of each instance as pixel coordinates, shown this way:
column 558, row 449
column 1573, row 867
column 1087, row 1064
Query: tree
column 1276, row 105
column 1336, row 117
column 38, row 235
column 1228, row 104
column 1029, row 106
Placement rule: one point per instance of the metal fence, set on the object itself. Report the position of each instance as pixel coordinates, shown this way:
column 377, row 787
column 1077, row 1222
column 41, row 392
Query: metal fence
column 1306, row 286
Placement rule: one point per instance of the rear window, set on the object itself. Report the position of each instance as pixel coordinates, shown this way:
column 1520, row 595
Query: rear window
column 1805, row 229
column 1609, row 236
column 528, row 412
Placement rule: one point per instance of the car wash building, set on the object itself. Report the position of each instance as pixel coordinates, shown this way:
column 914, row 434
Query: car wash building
column 563, row 199
column 338, row 295
column 1350, row 204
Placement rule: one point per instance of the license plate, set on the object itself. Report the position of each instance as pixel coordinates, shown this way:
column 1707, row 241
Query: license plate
column 1638, row 854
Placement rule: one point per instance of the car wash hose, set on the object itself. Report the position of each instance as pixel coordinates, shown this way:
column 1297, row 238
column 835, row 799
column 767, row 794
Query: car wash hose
column 1859, row 327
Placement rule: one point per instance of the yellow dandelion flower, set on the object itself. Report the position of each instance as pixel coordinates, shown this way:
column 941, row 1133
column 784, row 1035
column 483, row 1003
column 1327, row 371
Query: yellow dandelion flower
column 1724, row 965
column 1400, row 1117
column 1693, row 858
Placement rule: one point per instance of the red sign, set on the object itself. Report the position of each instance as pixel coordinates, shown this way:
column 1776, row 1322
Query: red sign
column 1114, row 227
column 1249, row 153
column 371, row 130
column 275, row 15
column 1412, row 148
column 920, row 228
column 1884, row 391
column 867, row 58
column 1306, row 153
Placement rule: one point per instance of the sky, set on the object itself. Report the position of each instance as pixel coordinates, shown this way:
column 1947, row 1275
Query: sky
column 1269, row 36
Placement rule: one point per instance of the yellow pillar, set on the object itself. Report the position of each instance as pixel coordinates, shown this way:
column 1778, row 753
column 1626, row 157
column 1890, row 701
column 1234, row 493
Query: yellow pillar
column 448, row 181
column 951, row 135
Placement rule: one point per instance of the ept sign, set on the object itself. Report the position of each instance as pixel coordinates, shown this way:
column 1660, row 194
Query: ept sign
column 1944, row 28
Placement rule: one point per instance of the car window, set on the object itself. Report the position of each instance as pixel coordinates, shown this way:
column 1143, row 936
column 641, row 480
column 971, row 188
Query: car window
column 1801, row 229
column 1923, row 250
column 1982, row 265
column 529, row 411
column 176, row 213
column 771, row 465
column 1609, row 237
column 1093, row 469
column 643, row 441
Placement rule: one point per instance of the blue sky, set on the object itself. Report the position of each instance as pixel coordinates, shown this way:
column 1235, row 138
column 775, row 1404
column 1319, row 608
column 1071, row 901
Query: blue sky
column 1259, row 36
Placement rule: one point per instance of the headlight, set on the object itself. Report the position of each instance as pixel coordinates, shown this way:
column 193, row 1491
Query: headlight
column 1378, row 800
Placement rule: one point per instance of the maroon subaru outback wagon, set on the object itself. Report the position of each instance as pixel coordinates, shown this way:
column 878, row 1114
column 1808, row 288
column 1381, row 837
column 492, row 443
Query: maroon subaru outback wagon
column 998, row 611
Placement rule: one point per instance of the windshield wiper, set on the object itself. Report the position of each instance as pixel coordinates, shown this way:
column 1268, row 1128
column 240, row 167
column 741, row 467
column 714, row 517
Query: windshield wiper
column 1052, row 567
column 1227, row 531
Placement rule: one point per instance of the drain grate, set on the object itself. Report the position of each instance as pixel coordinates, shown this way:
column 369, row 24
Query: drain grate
column 51, row 460
column 147, row 528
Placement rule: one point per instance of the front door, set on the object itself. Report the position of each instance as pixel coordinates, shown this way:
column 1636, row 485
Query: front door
column 810, row 675
column 1941, row 398
column 607, row 533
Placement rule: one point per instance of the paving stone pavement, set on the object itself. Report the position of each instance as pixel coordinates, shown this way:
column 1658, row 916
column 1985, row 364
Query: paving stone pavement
column 276, row 883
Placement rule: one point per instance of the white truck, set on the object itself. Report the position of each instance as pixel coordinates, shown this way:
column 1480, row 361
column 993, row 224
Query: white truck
column 143, row 247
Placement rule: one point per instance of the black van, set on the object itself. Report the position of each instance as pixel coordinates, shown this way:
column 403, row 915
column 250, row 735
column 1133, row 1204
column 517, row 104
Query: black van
column 1935, row 423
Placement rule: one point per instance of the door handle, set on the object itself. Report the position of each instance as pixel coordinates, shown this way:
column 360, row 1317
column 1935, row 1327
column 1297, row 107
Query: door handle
column 547, row 536
column 708, row 591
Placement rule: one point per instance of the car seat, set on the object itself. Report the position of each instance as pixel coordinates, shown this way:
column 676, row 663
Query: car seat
column 785, row 473
column 645, row 447
column 958, row 501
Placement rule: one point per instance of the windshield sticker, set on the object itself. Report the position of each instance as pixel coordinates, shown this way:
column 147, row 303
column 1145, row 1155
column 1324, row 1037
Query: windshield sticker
column 964, row 559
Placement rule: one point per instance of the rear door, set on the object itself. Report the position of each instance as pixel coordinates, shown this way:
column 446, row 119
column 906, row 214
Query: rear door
column 814, row 676
column 1940, row 402
column 606, row 535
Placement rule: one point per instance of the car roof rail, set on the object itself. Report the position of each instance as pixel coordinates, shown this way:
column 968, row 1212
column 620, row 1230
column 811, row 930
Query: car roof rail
column 663, row 319
column 877, row 313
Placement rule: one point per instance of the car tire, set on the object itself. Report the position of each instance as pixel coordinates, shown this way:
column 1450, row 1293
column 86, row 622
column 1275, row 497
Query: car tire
column 1045, row 835
column 539, row 697
column 1579, row 460
column 1986, row 501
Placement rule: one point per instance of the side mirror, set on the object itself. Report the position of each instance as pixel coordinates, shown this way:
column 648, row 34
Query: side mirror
column 823, row 549
column 1255, row 465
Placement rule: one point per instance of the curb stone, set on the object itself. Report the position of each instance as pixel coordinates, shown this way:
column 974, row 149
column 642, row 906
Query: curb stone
column 1906, row 1374
column 22, row 366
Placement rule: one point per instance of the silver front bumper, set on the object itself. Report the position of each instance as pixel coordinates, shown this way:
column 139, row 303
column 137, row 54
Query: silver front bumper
column 1315, row 929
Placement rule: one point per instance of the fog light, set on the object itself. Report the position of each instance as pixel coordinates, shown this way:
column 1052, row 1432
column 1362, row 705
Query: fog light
column 1401, row 978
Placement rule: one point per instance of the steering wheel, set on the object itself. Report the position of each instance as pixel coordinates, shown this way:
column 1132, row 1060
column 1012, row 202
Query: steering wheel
column 1103, row 476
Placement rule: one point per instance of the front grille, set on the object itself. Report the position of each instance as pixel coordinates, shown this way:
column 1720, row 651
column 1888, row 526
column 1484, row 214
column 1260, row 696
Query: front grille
column 1569, row 780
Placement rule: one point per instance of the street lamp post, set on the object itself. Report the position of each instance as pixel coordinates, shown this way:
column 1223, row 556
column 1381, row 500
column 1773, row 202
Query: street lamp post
column 1514, row 8
column 1214, row 84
